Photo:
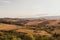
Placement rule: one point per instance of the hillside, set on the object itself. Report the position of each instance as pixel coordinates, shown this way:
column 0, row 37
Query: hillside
column 43, row 27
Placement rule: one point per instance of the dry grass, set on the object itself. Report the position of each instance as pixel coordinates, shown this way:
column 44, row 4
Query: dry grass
column 7, row 27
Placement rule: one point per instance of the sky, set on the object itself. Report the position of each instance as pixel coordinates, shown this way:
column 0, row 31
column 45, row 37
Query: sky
column 29, row 8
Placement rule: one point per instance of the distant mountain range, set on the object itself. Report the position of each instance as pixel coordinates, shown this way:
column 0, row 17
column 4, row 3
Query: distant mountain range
column 51, row 17
column 45, row 17
column 34, row 18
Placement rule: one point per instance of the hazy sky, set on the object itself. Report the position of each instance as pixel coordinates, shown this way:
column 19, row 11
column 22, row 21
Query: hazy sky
column 29, row 8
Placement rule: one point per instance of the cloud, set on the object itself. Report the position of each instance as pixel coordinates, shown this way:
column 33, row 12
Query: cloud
column 42, row 14
column 5, row 1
